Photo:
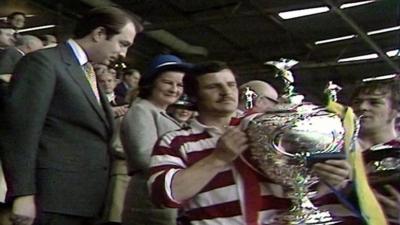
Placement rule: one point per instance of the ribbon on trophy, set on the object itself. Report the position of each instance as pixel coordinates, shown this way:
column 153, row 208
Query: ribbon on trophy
column 370, row 208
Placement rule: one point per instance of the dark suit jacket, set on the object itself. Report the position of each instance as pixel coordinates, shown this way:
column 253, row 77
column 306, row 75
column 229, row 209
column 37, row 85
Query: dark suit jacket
column 121, row 90
column 55, row 137
column 8, row 59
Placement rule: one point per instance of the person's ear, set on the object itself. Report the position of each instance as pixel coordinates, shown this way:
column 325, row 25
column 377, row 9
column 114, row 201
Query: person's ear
column 29, row 47
column 258, row 101
column 99, row 34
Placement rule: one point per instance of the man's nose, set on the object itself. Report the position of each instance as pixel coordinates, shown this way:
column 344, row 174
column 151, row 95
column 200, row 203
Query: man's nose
column 225, row 90
column 123, row 52
column 174, row 87
column 362, row 106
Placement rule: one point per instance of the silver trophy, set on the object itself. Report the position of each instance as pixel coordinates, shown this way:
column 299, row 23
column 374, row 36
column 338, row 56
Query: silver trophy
column 284, row 145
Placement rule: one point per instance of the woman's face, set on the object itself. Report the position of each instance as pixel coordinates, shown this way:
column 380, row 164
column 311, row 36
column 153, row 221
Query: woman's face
column 167, row 89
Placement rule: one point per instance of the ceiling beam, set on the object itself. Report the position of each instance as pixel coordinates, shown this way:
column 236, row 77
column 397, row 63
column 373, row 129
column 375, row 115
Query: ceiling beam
column 162, row 36
column 309, row 65
column 363, row 35
column 279, row 24
column 209, row 19
column 195, row 21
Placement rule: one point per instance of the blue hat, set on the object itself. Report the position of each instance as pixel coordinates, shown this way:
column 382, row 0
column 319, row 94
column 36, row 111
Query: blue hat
column 163, row 63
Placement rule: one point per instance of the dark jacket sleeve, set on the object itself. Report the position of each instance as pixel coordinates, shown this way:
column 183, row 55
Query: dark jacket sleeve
column 8, row 59
column 25, row 110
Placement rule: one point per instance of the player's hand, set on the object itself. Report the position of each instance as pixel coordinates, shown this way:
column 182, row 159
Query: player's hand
column 231, row 144
column 390, row 203
column 120, row 110
column 23, row 210
column 334, row 172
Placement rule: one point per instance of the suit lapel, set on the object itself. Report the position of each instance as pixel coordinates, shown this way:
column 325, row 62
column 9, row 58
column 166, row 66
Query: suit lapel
column 78, row 75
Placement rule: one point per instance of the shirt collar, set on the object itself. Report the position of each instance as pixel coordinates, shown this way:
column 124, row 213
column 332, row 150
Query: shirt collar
column 20, row 51
column 212, row 130
column 78, row 52
column 111, row 97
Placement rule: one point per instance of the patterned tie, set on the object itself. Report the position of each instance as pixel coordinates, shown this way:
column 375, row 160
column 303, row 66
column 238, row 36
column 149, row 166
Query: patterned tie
column 91, row 77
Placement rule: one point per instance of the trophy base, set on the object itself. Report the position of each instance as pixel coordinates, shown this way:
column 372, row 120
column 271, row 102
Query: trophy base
column 312, row 218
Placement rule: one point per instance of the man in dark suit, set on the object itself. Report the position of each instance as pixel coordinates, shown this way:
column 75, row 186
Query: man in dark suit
column 6, row 40
column 6, row 35
column 10, row 56
column 57, row 125
column 108, row 81
column 129, row 82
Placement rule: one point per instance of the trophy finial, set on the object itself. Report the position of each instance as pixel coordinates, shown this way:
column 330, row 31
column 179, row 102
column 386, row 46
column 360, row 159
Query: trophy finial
column 331, row 91
column 249, row 96
column 283, row 66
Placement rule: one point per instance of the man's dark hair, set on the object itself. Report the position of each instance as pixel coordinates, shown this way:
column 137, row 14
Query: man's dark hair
column 129, row 72
column 389, row 87
column 12, row 15
column 190, row 81
column 111, row 18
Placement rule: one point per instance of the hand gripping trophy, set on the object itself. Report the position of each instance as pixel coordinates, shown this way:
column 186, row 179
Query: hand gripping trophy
column 286, row 142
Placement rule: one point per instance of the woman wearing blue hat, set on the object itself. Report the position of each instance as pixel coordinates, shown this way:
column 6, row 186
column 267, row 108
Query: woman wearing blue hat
column 145, row 121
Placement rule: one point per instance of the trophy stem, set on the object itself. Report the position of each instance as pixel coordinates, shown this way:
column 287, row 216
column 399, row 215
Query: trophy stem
column 303, row 212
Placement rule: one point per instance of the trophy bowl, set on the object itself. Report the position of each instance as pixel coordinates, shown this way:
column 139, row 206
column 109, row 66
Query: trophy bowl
column 284, row 145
